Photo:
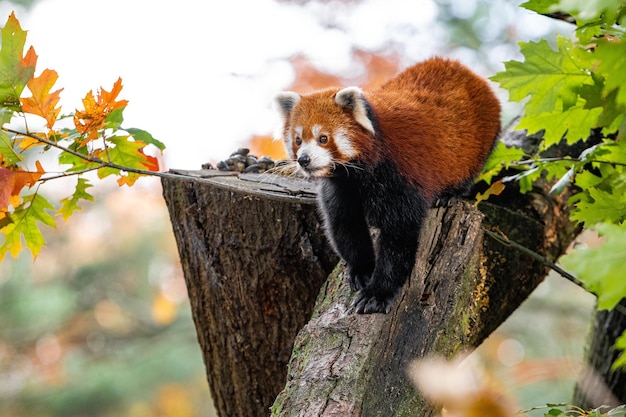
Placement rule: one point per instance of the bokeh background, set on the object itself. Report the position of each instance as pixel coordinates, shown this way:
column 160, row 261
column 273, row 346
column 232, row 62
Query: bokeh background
column 99, row 324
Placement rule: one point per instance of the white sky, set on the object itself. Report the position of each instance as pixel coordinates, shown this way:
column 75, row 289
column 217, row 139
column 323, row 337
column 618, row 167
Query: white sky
column 199, row 75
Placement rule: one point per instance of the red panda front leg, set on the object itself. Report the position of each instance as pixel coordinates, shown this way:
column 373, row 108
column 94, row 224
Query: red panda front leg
column 399, row 214
column 347, row 230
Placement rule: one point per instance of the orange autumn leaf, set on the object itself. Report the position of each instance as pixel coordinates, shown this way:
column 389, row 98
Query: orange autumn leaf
column 13, row 181
column 97, row 109
column 129, row 179
column 43, row 102
column 268, row 146
column 28, row 61
column 151, row 163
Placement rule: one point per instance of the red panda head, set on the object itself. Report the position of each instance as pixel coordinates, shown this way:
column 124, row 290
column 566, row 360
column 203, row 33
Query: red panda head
column 326, row 129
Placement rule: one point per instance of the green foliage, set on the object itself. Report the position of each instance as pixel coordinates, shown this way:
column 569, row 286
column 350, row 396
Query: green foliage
column 552, row 81
column 620, row 344
column 24, row 222
column 501, row 157
column 602, row 268
column 569, row 92
column 70, row 204
column 565, row 410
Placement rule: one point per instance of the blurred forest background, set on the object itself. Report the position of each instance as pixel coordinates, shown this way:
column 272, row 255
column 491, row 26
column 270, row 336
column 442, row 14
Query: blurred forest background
column 99, row 324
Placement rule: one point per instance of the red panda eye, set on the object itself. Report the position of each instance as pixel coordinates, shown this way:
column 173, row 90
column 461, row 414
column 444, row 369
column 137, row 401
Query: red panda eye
column 298, row 141
column 323, row 139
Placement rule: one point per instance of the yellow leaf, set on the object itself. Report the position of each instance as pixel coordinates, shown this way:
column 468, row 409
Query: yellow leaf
column 494, row 189
column 174, row 401
column 163, row 310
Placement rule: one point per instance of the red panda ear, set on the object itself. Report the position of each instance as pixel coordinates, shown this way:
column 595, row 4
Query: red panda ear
column 352, row 98
column 285, row 102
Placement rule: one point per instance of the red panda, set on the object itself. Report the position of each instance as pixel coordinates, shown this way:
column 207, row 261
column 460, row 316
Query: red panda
column 384, row 157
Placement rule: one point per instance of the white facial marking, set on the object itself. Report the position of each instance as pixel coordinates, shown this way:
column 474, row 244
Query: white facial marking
column 298, row 130
column 316, row 129
column 321, row 160
column 344, row 144
column 289, row 144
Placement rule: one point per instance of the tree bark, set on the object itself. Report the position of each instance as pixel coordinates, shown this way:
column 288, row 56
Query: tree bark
column 463, row 286
column 254, row 259
column 599, row 384
column 253, row 266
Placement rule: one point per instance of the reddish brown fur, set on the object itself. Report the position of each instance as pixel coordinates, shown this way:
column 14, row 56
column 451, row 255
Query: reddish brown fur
column 437, row 121
column 320, row 108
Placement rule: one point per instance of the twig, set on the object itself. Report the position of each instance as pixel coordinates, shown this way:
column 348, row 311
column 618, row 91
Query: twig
column 557, row 159
column 508, row 242
column 93, row 159
column 69, row 174
column 565, row 17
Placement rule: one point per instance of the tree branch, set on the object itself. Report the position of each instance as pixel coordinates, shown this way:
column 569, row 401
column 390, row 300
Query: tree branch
column 89, row 158
column 506, row 241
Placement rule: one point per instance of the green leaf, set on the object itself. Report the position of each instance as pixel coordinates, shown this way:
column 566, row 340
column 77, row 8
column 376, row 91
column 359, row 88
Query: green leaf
column 590, row 10
column 549, row 77
column 601, row 269
column 25, row 223
column 501, row 157
column 596, row 96
column 8, row 156
column 77, row 163
column 145, row 137
column 70, row 205
column 115, row 119
column 612, row 66
column 125, row 152
column 539, row 6
column 609, row 151
column 604, row 206
column 620, row 362
column 575, row 123
column 15, row 70
column 527, row 178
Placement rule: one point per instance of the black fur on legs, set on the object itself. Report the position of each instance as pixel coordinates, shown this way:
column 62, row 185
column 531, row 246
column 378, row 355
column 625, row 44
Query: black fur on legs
column 354, row 200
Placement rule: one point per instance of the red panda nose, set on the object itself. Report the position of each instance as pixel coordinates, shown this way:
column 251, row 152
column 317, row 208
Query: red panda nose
column 304, row 160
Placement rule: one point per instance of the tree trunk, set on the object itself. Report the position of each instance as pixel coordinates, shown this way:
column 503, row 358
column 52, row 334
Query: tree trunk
column 599, row 384
column 254, row 259
column 253, row 267
column 463, row 286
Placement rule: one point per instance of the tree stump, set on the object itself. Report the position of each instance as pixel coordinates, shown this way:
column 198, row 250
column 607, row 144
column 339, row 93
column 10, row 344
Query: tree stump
column 255, row 258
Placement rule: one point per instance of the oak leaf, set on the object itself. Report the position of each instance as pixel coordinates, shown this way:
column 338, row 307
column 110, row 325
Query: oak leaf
column 13, row 181
column 43, row 102
column 96, row 109
column 15, row 70
column 70, row 204
column 24, row 222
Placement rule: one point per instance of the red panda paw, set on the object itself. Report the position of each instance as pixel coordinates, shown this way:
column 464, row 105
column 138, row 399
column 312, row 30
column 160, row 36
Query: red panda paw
column 357, row 278
column 367, row 303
